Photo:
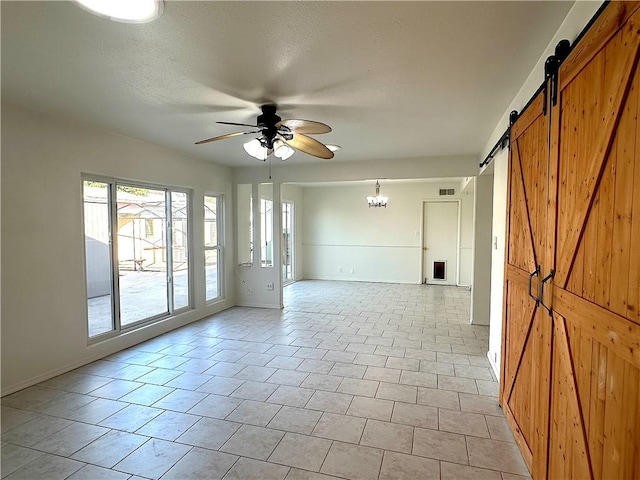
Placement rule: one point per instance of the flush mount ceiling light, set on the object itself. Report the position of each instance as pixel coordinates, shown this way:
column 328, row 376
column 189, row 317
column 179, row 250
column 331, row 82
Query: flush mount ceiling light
column 128, row 11
column 378, row 200
column 281, row 137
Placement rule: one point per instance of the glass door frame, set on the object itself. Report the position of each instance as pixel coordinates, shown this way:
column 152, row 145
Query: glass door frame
column 112, row 185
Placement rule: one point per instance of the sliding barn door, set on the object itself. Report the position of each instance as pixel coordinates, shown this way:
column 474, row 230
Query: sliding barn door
column 570, row 385
column 525, row 328
column 594, row 428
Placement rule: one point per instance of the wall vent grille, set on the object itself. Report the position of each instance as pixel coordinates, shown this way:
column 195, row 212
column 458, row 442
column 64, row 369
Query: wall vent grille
column 447, row 191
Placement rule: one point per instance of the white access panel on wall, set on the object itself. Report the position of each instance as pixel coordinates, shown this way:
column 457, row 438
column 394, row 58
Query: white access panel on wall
column 440, row 245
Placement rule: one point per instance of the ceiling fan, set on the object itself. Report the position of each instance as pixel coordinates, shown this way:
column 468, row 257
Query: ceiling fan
column 279, row 137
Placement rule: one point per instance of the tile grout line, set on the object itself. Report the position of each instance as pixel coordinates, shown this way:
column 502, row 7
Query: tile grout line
column 394, row 328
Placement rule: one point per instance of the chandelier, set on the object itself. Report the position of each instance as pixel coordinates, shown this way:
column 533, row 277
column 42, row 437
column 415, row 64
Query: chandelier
column 378, row 200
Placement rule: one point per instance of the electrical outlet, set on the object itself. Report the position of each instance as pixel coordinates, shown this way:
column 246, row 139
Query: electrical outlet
column 270, row 286
column 340, row 269
column 351, row 271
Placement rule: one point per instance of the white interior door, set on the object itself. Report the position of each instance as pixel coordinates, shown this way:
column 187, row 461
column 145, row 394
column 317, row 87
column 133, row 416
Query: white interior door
column 440, row 242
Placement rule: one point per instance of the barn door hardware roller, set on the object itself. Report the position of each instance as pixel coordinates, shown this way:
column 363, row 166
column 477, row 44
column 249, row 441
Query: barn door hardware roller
column 503, row 142
column 513, row 116
column 551, row 67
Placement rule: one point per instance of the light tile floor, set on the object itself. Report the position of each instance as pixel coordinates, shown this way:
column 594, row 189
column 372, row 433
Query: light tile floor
column 351, row 380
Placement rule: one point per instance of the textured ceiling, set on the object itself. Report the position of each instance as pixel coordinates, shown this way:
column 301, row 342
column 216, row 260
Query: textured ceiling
column 393, row 79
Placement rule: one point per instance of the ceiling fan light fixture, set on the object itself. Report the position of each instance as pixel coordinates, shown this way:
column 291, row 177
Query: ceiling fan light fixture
column 280, row 137
column 282, row 150
column 256, row 149
column 127, row 11
column 333, row 148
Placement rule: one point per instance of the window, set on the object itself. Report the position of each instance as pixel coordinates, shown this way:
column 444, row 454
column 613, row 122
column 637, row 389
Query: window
column 98, row 260
column 212, row 246
column 136, row 254
column 287, row 242
column 266, row 235
column 148, row 227
column 244, row 218
column 180, row 248
column 265, row 246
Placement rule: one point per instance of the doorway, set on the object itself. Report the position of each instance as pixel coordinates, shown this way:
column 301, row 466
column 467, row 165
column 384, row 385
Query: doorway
column 440, row 244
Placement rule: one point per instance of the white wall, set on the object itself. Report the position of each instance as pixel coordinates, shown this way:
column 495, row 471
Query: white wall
column 466, row 231
column 44, row 329
column 336, row 171
column 481, row 289
column 254, row 279
column 498, row 226
column 344, row 239
column 577, row 18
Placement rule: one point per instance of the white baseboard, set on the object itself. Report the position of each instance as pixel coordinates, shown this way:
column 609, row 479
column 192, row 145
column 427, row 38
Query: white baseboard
column 258, row 305
column 122, row 342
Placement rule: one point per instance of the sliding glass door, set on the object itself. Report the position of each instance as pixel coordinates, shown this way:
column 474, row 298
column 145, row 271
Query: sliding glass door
column 136, row 253
column 142, row 253
column 98, row 257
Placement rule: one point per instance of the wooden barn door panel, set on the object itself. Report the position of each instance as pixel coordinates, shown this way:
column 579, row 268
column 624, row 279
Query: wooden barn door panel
column 568, row 452
column 526, row 236
column 597, row 132
column 519, row 381
column 594, row 429
column 595, row 412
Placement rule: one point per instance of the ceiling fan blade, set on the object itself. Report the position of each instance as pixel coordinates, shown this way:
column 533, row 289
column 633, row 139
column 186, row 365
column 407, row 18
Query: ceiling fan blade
column 304, row 126
column 222, row 137
column 238, row 124
column 309, row 145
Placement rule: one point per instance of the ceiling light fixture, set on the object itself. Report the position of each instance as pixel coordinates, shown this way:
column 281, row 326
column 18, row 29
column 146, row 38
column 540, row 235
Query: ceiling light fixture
column 378, row 200
column 128, row 11
column 282, row 150
column 260, row 148
column 257, row 148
